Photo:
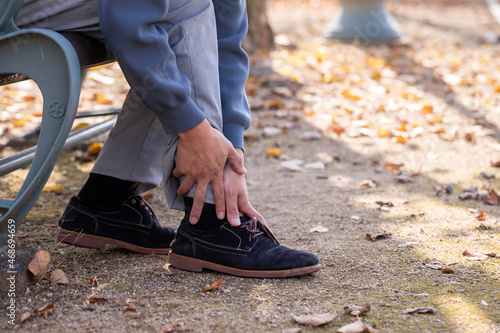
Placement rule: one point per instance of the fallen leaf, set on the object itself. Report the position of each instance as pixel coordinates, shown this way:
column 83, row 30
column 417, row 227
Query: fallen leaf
column 95, row 148
column 374, row 237
column 53, row 188
column 357, row 310
column 94, row 283
column 59, row 277
column 44, row 309
column 356, row 327
column 318, row 229
column 97, row 300
column 481, row 216
column 421, row 309
column 274, row 152
column 130, row 307
column 385, row 204
column 433, row 263
column 447, row 271
column 38, row 266
column 493, row 199
column 392, row 166
column 495, row 164
column 316, row 319
column 369, row 183
column 148, row 196
column 22, row 318
column 79, row 126
column 213, row 286
column 175, row 327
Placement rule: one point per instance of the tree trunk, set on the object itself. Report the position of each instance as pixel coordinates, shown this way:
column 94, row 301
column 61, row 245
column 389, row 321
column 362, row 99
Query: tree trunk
column 260, row 35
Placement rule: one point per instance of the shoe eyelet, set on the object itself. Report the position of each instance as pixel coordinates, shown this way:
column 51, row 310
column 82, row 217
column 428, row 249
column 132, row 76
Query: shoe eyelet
column 133, row 201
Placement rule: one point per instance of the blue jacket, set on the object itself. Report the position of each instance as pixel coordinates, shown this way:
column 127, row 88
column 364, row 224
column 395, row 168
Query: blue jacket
column 138, row 44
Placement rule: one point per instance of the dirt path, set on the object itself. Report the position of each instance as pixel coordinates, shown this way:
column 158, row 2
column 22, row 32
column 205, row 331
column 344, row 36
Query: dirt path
column 409, row 127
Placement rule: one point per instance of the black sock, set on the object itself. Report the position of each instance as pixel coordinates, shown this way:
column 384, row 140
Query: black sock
column 105, row 192
column 208, row 218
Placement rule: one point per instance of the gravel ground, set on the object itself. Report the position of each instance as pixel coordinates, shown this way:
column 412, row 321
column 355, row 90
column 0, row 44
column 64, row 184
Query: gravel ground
column 399, row 143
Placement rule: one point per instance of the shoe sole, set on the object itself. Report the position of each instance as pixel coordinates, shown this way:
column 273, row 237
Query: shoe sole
column 98, row 242
column 197, row 265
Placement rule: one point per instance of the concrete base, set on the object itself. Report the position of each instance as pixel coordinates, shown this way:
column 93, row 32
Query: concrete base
column 366, row 23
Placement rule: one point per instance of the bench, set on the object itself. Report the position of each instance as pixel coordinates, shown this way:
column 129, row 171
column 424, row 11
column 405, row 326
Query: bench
column 56, row 62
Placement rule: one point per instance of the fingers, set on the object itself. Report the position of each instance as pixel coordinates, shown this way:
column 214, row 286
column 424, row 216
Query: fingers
column 199, row 201
column 236, row 162
column 218, row 192
column 233, row 213
column 247, row 209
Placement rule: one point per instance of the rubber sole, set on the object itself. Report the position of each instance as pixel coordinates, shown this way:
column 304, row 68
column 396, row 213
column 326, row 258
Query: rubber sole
column 197, row 265
column 98, row 242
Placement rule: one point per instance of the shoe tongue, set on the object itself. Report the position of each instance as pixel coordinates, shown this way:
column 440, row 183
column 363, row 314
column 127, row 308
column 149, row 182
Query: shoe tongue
column 264, row 228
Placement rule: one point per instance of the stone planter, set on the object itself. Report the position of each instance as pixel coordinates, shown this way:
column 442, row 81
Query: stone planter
column 365, row 21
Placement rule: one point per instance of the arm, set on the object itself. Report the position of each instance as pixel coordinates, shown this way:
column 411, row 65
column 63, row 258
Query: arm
column 141, row 47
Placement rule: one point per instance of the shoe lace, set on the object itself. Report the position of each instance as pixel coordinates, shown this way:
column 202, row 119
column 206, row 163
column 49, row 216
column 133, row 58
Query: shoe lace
column 146, row 206
column 253, row 227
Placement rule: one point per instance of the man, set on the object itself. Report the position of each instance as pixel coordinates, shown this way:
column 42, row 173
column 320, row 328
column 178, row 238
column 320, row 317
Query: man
column 182, row 124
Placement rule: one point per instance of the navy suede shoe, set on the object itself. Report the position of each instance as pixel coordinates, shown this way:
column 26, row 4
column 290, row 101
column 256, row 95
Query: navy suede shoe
column 134, row 227
column 249, row 250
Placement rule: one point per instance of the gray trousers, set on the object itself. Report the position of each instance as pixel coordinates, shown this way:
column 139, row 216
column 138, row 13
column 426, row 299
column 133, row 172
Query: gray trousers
column 137, row 148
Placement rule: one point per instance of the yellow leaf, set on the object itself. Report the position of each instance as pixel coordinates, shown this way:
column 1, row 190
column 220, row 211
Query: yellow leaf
column 400, row 139
column 95, row 148
column 347, row 94
column 274, row 152
column 80, row 126
column 214, row 285
column 383, row 133
column 53, row 188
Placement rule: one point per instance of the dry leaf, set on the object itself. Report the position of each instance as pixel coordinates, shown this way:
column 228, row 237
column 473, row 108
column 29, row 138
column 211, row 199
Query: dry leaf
column 433, row 263
column 94, row 283
column 214, row 285
column 369, row 183
column 22, row 318
column 274, row 152
column 421, row 309
column 318, row 229
column 44, row 309
column 495, row 164
column 481, row 216
column 38, row 266
column 493, row 199
column 95, row 148
column 316, row 319
column 447, row 271
column 130, row 307
column 59, row 277
column 392, row 166
column 356, row 327
column 175, row 327
column 97, row 300
column 374, row 237
column 53, row 188
column 385, row 204
column 357, row 310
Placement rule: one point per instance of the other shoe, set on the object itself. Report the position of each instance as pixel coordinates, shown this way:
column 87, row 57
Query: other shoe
column 133, row 227
column 249, row 250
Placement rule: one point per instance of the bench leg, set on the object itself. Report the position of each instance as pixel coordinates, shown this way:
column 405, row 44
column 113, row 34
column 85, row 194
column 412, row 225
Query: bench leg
column 48, row 59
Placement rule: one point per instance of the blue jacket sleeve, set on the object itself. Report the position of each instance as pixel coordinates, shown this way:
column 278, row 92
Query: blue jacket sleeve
column 232, row 26
column 142, row 50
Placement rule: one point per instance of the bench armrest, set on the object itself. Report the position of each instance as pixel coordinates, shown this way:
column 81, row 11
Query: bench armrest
column 8, row 12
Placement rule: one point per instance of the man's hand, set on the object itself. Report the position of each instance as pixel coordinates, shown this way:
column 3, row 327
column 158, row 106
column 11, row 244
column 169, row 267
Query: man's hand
column 202, row 154
column 236, row 193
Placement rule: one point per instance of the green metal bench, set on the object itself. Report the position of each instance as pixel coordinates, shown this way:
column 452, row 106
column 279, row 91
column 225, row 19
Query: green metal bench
column 56, row 63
